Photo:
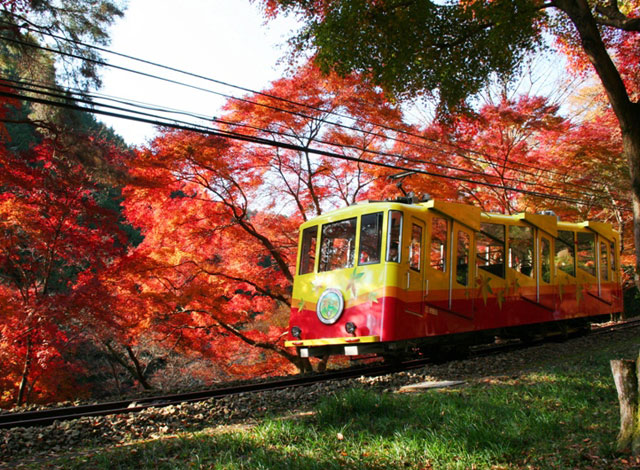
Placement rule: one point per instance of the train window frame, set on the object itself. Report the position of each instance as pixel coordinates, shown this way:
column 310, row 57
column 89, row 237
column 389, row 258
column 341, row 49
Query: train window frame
column 415, row 247
column 521, row 248
column 561, row 242
column 311, row 250
column 493, row 240
column 463, row 253
column 586, row 255
column 545, row 260
column 324, row 265
column 373, row 254
column 394, row 240
column 604, row 262
column 613, row 258
column 439, row 249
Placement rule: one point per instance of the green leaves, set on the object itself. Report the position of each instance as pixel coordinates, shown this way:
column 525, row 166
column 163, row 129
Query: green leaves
column 416, row 47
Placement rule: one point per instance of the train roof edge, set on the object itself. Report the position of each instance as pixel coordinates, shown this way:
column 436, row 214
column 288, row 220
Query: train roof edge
column 472, row 216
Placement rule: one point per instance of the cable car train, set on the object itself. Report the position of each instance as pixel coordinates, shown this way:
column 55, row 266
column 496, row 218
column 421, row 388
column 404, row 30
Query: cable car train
column 399, row 276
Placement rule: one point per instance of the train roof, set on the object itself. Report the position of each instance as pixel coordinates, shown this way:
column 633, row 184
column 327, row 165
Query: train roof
column 470, row 216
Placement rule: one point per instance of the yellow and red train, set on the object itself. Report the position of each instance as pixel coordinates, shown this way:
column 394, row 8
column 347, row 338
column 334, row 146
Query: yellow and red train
column 388, row 277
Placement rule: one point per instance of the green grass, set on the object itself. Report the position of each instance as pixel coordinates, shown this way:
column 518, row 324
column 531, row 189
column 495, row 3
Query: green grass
column 564, row 415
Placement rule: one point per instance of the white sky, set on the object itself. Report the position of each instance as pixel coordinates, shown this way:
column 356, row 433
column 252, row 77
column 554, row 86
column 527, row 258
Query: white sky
column 226, row 40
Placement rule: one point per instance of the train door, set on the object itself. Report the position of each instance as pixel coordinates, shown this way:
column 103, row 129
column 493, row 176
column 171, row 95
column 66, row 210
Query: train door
column 522, row 272
column 545, row 292
column 461, row 276
column 565, row 270
column 414, row 276
column 491, row 280
column 438, row 264
column 604, row 270
column 587, row 275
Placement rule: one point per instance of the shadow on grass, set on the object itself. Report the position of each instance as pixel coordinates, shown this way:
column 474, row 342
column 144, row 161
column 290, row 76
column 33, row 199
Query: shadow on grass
column 564, row 416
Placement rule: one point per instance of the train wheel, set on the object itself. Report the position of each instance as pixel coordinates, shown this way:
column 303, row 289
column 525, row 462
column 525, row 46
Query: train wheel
column 394, row 358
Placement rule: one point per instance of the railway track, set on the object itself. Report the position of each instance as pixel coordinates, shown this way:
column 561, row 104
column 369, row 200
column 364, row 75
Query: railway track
column 46, row 417
column 49, row 416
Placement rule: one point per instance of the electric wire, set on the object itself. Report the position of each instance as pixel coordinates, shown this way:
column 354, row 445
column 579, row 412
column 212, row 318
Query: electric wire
column 259, row 93
column 89, row 99
column 285, row 145
column 330, row 112
column 601, row 195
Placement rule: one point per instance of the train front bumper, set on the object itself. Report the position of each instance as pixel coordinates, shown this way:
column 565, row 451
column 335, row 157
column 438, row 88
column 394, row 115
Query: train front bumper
column 352, row 345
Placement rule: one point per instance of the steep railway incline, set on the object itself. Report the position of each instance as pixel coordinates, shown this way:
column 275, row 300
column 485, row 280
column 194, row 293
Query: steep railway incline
column 49, row 416
column 150, row 419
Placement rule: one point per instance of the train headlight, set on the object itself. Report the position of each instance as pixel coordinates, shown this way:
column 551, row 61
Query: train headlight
column 350, row 327
column 330, row 306
column 296, row 332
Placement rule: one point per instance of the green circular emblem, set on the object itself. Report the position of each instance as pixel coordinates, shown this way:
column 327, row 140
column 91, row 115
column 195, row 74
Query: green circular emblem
column 330, row 306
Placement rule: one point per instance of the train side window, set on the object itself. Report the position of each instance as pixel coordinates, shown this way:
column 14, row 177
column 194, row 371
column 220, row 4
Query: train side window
column 604, row 262
column 338, row 245
column 565, row 252
column 613, row 257
column 308, row 251
column 370, row 238
column 521, row 249
column 490, row 249
column 439, row 243
column 462, row 261
column 545, row 260
column 586, row 252
column 415, row 248
column 394, row 236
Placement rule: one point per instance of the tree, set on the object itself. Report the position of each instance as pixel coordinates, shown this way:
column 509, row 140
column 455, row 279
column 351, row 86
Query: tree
column 66, row 25
column 455, row 48
column 59, row 211
column 220, row 217
column 501, row 145
column 54, row 226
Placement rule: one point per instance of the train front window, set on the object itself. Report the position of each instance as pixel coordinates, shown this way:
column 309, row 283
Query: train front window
column 521, row 249
column 565, row 252
column 490, row 249
column 338, row 245
column 394, row 235
column 586, row 252
column 308, row 249
column 370, row 238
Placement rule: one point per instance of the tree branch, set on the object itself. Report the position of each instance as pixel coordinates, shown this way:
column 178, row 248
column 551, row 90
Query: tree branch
column 613, row 17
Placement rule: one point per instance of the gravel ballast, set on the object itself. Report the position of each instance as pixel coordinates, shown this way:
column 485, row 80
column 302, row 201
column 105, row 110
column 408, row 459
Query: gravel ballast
column 32, row 444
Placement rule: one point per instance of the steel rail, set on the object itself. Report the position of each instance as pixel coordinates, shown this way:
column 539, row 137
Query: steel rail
column 47, row 417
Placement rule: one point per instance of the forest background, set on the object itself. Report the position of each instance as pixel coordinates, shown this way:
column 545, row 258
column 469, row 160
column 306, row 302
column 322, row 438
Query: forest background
column 169, row 265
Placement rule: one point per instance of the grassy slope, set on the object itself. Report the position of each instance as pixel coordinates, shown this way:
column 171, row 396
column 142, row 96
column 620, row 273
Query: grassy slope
column 563, row 414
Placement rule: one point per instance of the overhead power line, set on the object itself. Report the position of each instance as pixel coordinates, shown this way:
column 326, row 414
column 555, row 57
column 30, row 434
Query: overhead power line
column 596, row 193
column 90, row 99
column 279, row 144
column 459, row 151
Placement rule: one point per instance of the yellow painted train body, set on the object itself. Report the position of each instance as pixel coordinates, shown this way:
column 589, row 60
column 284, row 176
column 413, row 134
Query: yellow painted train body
column 380, row 276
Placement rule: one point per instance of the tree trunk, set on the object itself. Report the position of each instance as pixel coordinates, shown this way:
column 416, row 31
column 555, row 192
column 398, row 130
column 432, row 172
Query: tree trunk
column 631, row 149
column 627, row 112
column 115, row 376
column 626, row 379
column 24, row 382
column 135, row 371
column 138, row 368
